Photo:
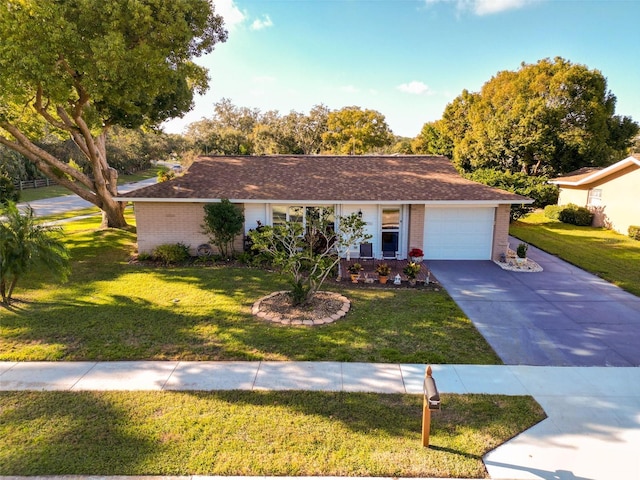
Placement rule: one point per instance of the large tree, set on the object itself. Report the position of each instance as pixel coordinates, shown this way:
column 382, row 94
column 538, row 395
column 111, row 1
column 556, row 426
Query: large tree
column 234, row 130
column 354, row 131
column 550, row 117
column 76, row 68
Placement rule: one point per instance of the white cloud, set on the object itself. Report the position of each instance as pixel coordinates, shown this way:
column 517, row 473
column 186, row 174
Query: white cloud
column 230, row 12
column 414, row 88
column 260, row 23
column 485, row 7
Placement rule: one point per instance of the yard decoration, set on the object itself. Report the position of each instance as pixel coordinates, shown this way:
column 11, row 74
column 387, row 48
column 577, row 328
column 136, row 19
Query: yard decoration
column 383, row 270
column 354, row 270
column 416, row 255
column 411, row 270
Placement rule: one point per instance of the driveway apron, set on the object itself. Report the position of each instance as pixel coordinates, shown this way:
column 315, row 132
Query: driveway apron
column 562, row 316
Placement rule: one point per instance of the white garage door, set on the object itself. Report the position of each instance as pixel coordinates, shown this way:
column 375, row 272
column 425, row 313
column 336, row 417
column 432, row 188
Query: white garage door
column 458, row 233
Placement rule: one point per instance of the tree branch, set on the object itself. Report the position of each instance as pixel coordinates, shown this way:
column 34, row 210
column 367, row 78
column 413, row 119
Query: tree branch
column 43, row 159
column 42, row 110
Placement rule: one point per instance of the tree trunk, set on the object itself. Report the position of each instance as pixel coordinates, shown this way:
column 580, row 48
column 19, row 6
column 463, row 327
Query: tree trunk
column 99, row 190
column 3, row 292
column 113, row 214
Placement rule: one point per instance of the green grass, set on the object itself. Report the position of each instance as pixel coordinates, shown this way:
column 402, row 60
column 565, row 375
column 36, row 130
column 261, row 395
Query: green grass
column 252, row 433
column 114, row 310
column 611, row 256
column 34, row 194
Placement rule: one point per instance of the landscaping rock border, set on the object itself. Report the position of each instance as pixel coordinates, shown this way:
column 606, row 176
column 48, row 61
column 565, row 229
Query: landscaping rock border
column 274, row 317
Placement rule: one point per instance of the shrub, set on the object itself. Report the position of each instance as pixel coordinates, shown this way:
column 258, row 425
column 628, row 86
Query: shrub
column 171, row 253
column 411, row 270
column 164, row 175
column 552, row 212
column 521, row 251
column 537, row 188
column 223, row 221
column 575, row 215
column 383, row 270
column 8, row 192
column 634, row 232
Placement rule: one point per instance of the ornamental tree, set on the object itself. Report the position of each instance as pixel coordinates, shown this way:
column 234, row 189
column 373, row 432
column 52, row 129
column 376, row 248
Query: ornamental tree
column 25, row 245
column 78, row 67
column 309, row 251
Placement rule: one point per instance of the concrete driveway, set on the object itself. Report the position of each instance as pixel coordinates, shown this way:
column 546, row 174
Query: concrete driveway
column 562, row 316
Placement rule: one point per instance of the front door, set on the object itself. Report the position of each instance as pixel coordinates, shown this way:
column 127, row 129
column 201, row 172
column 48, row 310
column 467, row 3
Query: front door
column 390, row 231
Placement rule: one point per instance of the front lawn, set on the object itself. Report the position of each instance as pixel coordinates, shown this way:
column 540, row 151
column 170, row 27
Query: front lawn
column 614, row 257
column 112, row 309
column 253, row 433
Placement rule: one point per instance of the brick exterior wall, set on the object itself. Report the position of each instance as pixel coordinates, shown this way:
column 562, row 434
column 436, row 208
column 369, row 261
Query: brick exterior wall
column 166, row 223
column 416, row 227
column 501, row 231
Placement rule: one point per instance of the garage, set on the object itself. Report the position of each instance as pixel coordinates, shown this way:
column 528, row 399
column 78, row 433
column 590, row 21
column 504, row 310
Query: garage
column 458, row 233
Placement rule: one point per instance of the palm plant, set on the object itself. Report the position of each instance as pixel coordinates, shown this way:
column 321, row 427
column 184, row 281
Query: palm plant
column 25, row 244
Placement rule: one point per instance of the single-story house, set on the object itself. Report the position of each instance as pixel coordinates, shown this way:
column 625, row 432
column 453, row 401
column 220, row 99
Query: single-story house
column 406, row 201
column 611, row 193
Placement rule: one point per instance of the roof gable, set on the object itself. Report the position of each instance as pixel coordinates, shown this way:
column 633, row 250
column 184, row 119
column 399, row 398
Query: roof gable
column 350, row 179
column 588, row 175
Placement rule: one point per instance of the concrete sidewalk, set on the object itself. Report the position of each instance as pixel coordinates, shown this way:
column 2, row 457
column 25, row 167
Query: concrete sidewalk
column 592, row 430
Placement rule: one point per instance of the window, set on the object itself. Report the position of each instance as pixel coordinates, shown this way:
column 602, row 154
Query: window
column 299, row 214
column 595, row 197
column 279, row 215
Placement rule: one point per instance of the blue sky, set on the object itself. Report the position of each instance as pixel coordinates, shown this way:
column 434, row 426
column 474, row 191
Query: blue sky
column 408, row 58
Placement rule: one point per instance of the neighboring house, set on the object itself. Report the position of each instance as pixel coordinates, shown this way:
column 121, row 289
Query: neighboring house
column 612, row 193
column 406, row 201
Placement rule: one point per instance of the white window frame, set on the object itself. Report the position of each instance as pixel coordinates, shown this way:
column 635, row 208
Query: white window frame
column 594, row 197
column 289, row 210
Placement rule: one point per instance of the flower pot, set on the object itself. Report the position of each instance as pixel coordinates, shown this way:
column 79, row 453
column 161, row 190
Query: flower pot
column 383, row 279
column 354, row 277
column 412, row 282
column 521, row 260
column 417, row 259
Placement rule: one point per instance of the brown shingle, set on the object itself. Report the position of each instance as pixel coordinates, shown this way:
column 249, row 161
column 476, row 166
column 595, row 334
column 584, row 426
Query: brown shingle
column 325, row 178
column 577, row 175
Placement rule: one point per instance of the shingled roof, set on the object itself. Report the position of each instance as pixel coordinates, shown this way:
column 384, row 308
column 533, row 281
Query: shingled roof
column 587, row 175
column 332, row 179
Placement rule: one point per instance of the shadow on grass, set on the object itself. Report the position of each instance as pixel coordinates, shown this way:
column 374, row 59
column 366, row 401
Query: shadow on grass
column 250, row 433
column 116, row 311
column 67, row 433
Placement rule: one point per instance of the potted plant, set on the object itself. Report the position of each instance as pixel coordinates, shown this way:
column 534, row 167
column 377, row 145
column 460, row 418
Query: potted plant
column 521, row 253
column 411, row 270
column 354, row 270
column 416, row 255
column 383, row 270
